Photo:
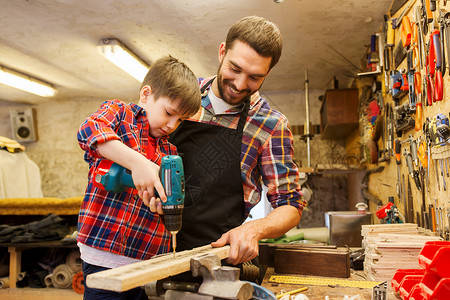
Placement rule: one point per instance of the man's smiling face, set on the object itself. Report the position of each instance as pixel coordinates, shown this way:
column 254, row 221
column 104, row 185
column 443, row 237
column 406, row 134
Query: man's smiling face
column 241, row 72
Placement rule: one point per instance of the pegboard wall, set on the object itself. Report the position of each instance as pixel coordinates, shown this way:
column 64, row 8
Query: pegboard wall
column 398, row 100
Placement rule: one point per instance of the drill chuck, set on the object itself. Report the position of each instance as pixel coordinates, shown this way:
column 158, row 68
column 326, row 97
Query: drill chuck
column 172, row 221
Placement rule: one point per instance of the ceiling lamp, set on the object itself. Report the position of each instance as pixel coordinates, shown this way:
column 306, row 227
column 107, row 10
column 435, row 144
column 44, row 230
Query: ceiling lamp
column 122, row 57
column 26, row 83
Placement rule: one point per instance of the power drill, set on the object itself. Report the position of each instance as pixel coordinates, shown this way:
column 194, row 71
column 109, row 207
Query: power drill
column 112, row 177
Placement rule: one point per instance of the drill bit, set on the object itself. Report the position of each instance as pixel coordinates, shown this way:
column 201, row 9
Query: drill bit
column 174, row 243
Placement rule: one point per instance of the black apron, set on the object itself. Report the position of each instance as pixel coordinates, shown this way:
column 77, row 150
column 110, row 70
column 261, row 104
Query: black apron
column 214, row 201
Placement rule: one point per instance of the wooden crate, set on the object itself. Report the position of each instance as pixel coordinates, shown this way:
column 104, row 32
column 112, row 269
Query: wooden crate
column 339, row 113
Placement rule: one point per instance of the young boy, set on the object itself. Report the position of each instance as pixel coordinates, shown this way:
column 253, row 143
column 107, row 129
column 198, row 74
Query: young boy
column 115, row 229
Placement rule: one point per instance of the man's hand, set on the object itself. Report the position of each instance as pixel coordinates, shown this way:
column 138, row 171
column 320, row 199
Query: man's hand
column 243, row 241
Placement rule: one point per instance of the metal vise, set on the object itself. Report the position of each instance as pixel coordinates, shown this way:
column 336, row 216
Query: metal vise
column 218, row 282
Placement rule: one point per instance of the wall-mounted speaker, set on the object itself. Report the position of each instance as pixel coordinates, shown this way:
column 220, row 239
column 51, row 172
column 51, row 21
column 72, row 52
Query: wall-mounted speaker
column 23, row 124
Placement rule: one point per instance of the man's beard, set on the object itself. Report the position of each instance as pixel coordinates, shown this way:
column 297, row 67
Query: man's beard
column 220, row 86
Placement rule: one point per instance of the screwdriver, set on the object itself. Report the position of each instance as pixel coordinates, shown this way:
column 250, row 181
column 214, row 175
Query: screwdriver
column 398, row 157
column 438, row 84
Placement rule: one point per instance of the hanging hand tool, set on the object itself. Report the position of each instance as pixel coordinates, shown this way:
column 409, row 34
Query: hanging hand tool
column 427, row 15
column 397, row 21
column 442, row 125
column 112, row 177
column 448, row 222
column 406, row 32
column 389, row 213
column 399, row 54
column 446, row 33
column 411, row 71
column 415, row 64
column 423, row 157
column 428, row 130
column 437, row 217
column 419, row 115
column 413, row 149
column 389, row 52
column 433, row 5
column 400, row 84
column 432, row 214
column 410, row 211
column 442, row 29
column 403, row 118
column 422, row 166
column 389, row 129
column 398, row 157
column 405, row 204
column 443, row 132
column 430, row 66
column 438, row 82
column 431, row 133
column 441, row 164
column 413, row 173
column 418, row 37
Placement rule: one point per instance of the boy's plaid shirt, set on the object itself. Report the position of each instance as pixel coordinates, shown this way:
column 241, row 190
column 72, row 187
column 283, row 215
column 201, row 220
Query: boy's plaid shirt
column 120, row 222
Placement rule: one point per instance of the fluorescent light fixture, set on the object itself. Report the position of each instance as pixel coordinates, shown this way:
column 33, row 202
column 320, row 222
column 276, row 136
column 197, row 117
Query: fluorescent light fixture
column 26, row 83
column 122, row 57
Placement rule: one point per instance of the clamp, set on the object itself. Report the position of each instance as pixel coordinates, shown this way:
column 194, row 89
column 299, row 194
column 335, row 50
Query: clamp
column 218, row 282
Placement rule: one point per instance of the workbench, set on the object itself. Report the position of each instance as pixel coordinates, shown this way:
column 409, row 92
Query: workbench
column 320, row 291
column 15, row 256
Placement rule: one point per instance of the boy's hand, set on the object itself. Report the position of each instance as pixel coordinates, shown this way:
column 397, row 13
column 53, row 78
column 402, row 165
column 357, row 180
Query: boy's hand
column 146, row 179
column 152, row 202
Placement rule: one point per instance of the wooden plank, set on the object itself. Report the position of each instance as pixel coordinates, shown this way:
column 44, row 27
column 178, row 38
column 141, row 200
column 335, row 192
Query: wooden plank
column 311, row 262
column 137, row 274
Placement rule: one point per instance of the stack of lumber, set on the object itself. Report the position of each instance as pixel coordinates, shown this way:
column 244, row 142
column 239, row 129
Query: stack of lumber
column 389, row 247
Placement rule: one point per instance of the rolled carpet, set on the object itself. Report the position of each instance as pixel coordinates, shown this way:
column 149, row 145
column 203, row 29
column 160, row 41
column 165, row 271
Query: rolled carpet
column 73, row 260
column 62, row 277
column 21, row 276
column 78, row 283
column 48, row 280
column 4, row 282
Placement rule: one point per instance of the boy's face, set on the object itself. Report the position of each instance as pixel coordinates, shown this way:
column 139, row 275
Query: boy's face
column 162, row 114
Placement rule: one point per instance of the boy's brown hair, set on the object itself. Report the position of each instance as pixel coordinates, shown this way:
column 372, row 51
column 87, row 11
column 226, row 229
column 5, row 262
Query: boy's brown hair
column 171, row 78
column 260, row 34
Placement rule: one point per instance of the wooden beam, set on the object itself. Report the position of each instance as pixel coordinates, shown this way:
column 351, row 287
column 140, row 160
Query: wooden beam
column 317, row 262
column 267, row 250
column 137, row 274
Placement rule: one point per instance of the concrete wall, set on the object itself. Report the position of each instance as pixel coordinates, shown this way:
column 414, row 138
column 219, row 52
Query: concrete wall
column 60, row 159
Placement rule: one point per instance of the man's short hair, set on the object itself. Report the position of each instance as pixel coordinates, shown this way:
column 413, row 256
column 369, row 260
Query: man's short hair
column 260, row 34
column 171, row 78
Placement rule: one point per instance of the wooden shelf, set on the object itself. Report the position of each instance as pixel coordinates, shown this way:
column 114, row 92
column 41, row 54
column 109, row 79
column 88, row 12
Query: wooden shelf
column 41, row 294
column 15, row 256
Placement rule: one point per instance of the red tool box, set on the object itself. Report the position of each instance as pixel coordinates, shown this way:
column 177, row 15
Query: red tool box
column 431, row 282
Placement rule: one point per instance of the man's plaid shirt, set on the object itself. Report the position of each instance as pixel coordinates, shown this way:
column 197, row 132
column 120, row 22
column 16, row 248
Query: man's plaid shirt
column 266, row 152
